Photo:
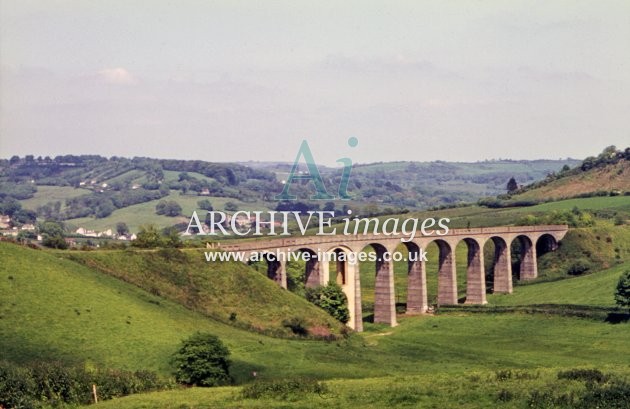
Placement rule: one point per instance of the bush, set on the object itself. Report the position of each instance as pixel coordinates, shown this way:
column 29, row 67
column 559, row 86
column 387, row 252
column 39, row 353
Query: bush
column 17, row 389
column 296, row 325
column 579, row 267
column 505, row 395
column 615, row 395
column 332, row 299
column 283, row 389
column 587, row 375
column 622, row 294
column 202, row 360
column 168, row 208
column 54, row 384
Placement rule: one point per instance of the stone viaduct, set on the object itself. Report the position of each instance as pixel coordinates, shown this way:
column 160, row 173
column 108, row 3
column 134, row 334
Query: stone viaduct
column 545, row 238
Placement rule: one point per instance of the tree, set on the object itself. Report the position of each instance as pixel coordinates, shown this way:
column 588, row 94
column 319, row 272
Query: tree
column 168, row 208
column 622, row 295
column 202, row 360
column 148, row 237
column 104, row 209
column 53, row 235
column 121, row 228
column 512, row 186
column 205, row 205
column 329, row 207
column 231, row 206
column 332, row 299
column 171, row 237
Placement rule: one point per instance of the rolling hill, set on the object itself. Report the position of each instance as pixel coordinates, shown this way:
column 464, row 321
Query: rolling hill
column 95, row 192
column 229, row 292
column 611, row 178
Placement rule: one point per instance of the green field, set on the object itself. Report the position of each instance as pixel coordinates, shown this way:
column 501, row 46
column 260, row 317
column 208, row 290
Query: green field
column 47, row 194
column 473, row 389
column 144, row 213
column 130, row 309
column 216, row 289
column 119, row 325
column 595, row 289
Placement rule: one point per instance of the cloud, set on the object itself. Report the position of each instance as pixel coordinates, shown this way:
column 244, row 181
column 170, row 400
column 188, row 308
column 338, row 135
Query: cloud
column 117, row 76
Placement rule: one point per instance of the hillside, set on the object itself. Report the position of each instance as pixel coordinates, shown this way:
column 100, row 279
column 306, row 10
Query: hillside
column 229, row 292
column 60, row 306
column 54, row 309
column 611, row 178
column 96, row 193
column 592, row 290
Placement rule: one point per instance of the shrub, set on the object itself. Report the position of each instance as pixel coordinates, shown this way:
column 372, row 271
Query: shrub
column 579, row 267
column 202, row 360
column 503, row 375
column 283, row 389
column 332, row 299
column 505, row 395
column 622, row 294
column 615, row 395
column 296, row 325
column 587, row 375
column 54, row 384
column 17, row 388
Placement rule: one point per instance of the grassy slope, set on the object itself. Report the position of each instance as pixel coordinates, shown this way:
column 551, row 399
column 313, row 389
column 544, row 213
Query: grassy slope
column 39, row 320
column 144, row 213
column 215, row 289
column 47, row 194
column 479, row 389
column 533, row 348
column 613, row 177
column 594, row 289
column 53, row 308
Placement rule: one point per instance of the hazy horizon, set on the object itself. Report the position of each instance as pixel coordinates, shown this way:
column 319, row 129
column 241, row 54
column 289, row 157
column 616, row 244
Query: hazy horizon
column 228, row 81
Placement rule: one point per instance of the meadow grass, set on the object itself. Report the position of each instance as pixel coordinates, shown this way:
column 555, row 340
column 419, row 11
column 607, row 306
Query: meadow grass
column 144, row 213
column 226, row 291
column 470, row 389
column 55, row 309
column 46, row 194
column 595, row 289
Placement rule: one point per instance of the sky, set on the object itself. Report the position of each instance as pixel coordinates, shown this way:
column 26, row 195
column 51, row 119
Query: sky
column 249, row 80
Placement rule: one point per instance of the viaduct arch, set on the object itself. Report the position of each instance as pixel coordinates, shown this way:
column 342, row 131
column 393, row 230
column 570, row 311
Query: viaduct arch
column 532, row 239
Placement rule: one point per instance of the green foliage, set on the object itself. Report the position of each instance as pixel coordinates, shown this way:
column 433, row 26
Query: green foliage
column 53, row 383
column 17, row 190
column 573, row 218
column 214, row 289
column 168, row 208
column 17, row 388
column 53, row 235
column 231, row 206
column 122, row 228
column 171, row 238
column 586, row 375
column 614, row 395
column 148, row 237
column 331, row 299
column 205, row 205
column 579, row 267
column 295, row 270
column 297, row 325
column 512, row 186
column 202, row 360
column 284, row 389
column 622, row 293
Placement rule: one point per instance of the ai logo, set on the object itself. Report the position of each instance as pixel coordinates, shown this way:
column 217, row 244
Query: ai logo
column 315, row 176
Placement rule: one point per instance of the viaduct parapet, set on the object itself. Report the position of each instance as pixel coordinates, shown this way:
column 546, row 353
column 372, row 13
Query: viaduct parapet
column 531, row 241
